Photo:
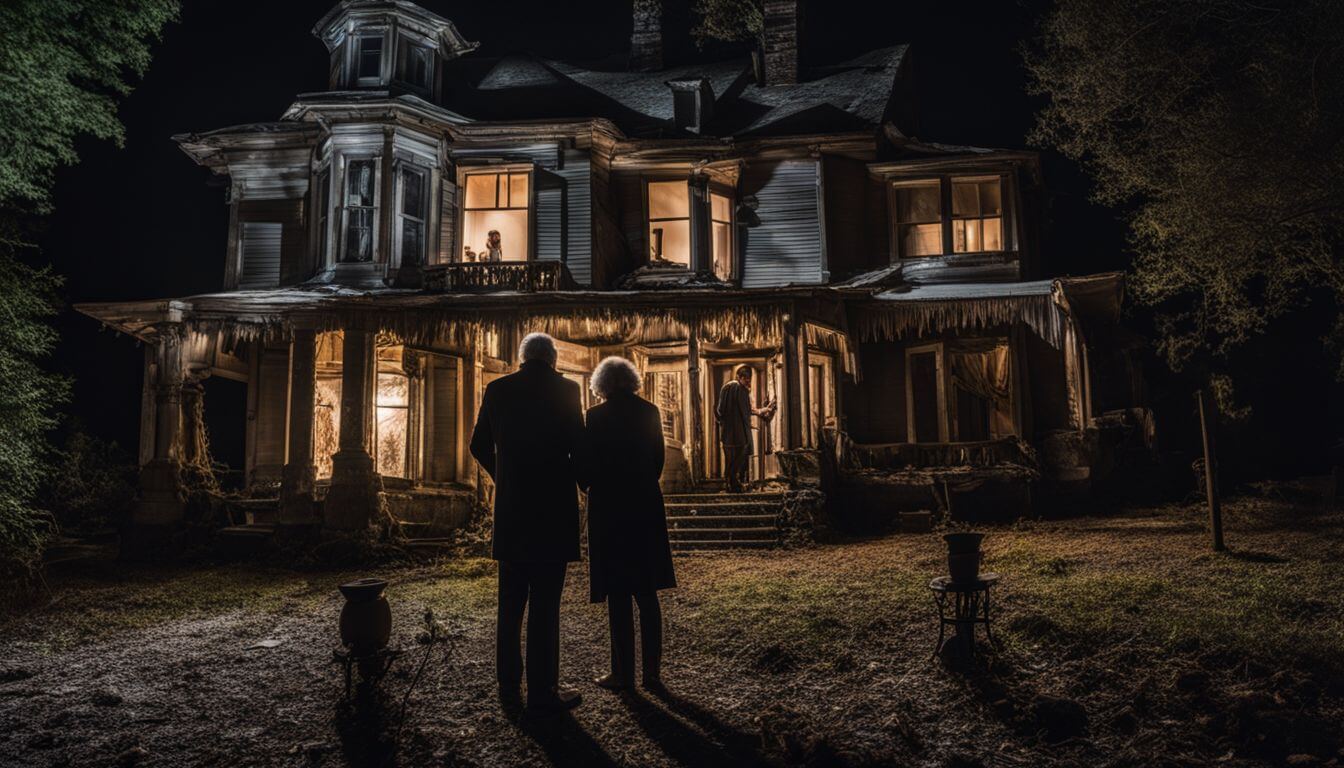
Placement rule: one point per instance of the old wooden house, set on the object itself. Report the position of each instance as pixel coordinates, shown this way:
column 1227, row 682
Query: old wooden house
column 392, row 237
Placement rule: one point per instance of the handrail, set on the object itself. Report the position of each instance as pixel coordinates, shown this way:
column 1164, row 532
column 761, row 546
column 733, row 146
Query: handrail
column 487, row 277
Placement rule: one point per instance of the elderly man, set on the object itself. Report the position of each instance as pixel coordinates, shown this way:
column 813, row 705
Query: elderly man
column 527, row 431
column 734, row 413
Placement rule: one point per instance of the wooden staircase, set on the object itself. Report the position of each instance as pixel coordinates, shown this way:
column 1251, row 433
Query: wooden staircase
column 723, row 521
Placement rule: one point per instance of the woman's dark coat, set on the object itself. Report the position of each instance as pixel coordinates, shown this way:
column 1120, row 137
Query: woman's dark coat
column 622, row 459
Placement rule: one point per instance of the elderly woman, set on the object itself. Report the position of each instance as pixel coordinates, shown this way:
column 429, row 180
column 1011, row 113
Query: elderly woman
column 628, row 555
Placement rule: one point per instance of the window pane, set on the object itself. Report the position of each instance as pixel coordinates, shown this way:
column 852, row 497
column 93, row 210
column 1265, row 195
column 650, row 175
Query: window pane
column 412, row 193
column 721, row 241
column 919, row 202
column 370, row 56
column 392, row 441
column 391, row 389
column 326, row 422
column 359, row 234
column 359, row 183
column 993, row 234
column 518, row 190
column 991, row 198
column 966, row 236
column 670, row 241
column 669, row 200
column 921, row 239
column 512, row 228
column 412, row 241
column 720, row 207
column 481, row 190
column 965, row 198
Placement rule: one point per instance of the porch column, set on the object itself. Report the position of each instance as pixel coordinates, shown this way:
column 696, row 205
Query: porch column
column 159, row 503
column 297, row 478
column 794, row 360
column 697, row 406
column 352, row 502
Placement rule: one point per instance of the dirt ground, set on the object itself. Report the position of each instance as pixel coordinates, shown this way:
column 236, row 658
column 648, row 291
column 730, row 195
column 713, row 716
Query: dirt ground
column 1124, row 641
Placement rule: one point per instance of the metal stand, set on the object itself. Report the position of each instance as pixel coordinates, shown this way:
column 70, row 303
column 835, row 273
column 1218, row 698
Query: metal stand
column 969, row 606
column 372, row 667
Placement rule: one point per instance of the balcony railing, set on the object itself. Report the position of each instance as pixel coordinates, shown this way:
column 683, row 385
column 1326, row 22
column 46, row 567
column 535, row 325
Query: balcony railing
column 489, row 277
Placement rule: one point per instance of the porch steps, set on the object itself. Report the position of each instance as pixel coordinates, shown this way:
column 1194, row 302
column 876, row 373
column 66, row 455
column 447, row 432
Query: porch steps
column 244, row 541
column 723, row 521
column 253, row 511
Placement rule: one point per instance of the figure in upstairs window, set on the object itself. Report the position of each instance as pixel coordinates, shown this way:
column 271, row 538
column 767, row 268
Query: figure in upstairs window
column 494, row 248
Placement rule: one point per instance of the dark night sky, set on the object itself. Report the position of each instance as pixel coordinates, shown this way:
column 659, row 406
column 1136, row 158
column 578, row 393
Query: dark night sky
column 143, row 222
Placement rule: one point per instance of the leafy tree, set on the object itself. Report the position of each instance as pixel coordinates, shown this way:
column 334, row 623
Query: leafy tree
column 1217, row 126
column 64, row 64
column 728, row 21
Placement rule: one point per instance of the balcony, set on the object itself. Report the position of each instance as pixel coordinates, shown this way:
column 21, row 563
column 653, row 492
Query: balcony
column 492, row 277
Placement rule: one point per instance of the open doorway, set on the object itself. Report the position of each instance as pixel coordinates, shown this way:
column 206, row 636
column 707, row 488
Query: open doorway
column 225, row 403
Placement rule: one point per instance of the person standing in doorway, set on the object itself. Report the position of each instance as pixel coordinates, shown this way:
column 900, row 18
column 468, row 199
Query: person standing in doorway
column 527, row 433
column 734, row 413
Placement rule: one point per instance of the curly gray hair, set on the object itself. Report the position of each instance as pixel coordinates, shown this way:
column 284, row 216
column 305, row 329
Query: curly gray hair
column 538, row 346
column 614, row 374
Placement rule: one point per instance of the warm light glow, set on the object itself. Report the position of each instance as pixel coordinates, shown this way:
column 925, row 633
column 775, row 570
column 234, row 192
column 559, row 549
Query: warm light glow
column 721, row 236
column 919, row 213
column 495, row 201
column 669, row 222
column 977, row 214
column 326, row 422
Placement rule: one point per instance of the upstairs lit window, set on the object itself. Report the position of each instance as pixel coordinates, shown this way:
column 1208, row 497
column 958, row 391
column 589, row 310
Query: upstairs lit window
column 369, row 59
column 919, row 217
column 670, row 223
column 495, row 216
column 924, row 225
column 358, row 211
column 977, row 214
column 721, row 234
column 412, row 213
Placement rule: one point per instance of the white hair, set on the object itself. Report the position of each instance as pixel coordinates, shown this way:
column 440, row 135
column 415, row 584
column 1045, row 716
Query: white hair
column 538, row 346
column 614, row 374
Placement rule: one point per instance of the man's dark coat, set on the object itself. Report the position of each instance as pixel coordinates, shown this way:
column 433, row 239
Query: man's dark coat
column 734, row 414
column 527, row 431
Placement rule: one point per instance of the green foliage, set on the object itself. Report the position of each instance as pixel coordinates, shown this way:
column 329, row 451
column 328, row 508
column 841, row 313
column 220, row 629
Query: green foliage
column 63, row 66
column 93, row 485
column 1218, row 126
column 728, row 20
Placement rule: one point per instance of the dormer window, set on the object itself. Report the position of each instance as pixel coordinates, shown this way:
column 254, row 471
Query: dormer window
column 369, row 59
column 948, row 215
column 416, row 65
column 669, row 222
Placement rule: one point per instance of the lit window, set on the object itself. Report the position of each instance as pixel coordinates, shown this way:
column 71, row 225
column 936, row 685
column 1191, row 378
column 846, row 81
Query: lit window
column 494, row 217
column 669, row 223
column 721, row 235
column 369, row 59
column 919, row 217
column 359, row 211
column 393, row 398
column 412, row 215
column 416, row 61
column 977, row 214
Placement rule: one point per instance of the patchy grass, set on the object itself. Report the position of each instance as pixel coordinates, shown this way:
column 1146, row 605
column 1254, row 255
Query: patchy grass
column 1125, row 642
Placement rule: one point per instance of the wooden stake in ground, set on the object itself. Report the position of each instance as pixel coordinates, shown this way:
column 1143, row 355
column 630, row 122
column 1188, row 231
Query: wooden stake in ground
column 1208, row 420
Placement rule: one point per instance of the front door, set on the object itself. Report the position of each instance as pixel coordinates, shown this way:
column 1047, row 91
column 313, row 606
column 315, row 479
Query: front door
column 719, row 375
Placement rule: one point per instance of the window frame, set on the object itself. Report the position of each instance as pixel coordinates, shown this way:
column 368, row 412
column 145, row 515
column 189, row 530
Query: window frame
column 357, row 55
column 344, row 209
column 648, row 222
column 459, row 234
column 730, row 194
column 426, row 211
column 408, row 47
column 947, row 390
column 702, row 262
column 322, row 204
column 940, row 366
column 1007, row 215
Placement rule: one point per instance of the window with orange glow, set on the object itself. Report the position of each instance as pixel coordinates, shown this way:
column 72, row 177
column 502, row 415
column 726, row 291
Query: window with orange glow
column 975, row 221
column 669, row 233
column 721, row 234
column 919, row 217
column 977, row 214
column 495, row 202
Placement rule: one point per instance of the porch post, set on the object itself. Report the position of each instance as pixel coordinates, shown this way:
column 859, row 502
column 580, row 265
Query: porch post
column 793, row 387
column 298, row 476
column 697, row 408
column 159, row 503
column 352, row 502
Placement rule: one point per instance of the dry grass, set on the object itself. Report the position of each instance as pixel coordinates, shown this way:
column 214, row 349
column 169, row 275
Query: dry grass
column 1171, row 653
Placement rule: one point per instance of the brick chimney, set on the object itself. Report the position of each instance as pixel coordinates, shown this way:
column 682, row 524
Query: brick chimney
column 646, row 41
column 779, row 42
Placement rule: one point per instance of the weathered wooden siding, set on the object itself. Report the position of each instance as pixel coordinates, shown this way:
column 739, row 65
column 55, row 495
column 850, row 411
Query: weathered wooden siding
column 259, row 242
column 272, row 414
column 627, row 189
column 786, row 246
column 608, row 245
column 294, row 263
column 847, row 240
column 442, row 419
column 564, row 214
column 447, row 220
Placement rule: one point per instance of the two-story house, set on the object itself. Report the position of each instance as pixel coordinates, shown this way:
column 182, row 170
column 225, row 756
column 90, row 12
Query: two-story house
column 393, row 237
